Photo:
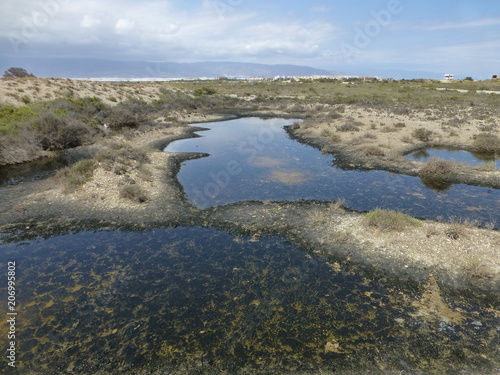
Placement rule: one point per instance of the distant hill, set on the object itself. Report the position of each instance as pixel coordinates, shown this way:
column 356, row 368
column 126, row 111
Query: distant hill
column 94, row 68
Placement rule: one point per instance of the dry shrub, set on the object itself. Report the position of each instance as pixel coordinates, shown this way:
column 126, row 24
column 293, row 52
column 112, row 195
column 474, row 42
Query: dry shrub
column 487, row 142
column 58, row 133
column 374, row 151
column 477, row 269
column 134, row 193
column 349, row 127
column 331, row 135
column 76, row 175
column 436, row 167
column 23, row 148
column 422, row 134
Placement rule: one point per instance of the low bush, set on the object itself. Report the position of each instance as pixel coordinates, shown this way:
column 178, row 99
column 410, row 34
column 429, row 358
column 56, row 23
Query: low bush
column 204, row 91
column 388, row 220
column 76, row 175
column 374, row 151
column 57, row 133
column 331, row 135
column 348, row 127
column 436, row 167
column 422, row 134
column 122, row 117
column 134, row 193
column 487, row 142
column 120, row 157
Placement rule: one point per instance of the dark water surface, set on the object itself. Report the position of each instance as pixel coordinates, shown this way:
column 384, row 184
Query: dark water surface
column 473, row 159
column 34, row 170
column 255, row 159
column 206, row 299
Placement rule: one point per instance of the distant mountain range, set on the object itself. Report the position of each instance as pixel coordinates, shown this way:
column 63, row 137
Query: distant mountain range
column 93, row 68
column 98, row 68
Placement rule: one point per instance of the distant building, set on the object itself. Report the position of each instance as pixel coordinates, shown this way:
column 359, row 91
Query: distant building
column 449, row 77
column 495, row 76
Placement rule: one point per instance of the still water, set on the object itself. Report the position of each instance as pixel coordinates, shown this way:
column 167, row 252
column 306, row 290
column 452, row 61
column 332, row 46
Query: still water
column 203, row 299
column 255, row 159
column 472, row 159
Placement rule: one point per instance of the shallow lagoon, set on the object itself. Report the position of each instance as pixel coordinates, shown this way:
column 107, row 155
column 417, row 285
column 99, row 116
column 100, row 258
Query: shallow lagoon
column 255, row 159
column 199, row 300
column 203, row 299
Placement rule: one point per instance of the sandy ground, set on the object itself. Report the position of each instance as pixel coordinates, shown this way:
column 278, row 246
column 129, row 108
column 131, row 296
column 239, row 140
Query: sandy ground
column 21, row 90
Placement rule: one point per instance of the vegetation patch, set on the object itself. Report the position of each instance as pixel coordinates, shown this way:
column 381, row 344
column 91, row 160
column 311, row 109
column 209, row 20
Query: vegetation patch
column 122, row 156
column 436, row 167
column 374, row 151
column 10, row 116
column 331, row 135
column 422, row 134
column 390, row 220
column 134, row 193
column 487, row 142
column 204, row 91
column 58, row 133
column 349, row 127
column 77, row 175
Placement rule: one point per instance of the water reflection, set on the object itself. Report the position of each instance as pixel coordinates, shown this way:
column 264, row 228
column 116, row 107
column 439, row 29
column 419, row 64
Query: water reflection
column 471, row 158
column 124, row 302
column 254, row 159
column 437, row 185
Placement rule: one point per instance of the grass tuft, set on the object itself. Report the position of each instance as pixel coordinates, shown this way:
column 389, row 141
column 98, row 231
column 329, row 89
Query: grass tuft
column 390, row 220
column 77, row 175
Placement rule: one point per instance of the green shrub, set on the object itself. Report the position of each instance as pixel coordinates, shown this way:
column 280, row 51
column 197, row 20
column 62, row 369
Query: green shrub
column 204, row 91
column 390, row 220
column 436, row 167
column 10, row 116
column 134, row 193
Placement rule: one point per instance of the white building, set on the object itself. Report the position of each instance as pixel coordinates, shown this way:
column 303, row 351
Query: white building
column 449, row 77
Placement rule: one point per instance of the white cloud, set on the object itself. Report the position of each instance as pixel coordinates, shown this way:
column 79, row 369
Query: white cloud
column 156, row 30
column 90, row 22
column 480, row 22
column 124, row 26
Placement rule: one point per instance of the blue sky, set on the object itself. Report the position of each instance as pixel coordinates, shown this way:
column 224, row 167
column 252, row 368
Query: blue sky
column 356, row 36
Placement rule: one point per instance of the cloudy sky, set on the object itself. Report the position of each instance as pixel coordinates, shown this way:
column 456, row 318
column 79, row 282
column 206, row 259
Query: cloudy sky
column 456, row 36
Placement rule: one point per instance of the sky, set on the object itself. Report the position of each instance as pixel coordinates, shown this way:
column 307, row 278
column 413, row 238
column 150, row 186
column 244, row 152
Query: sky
column 342, row 36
